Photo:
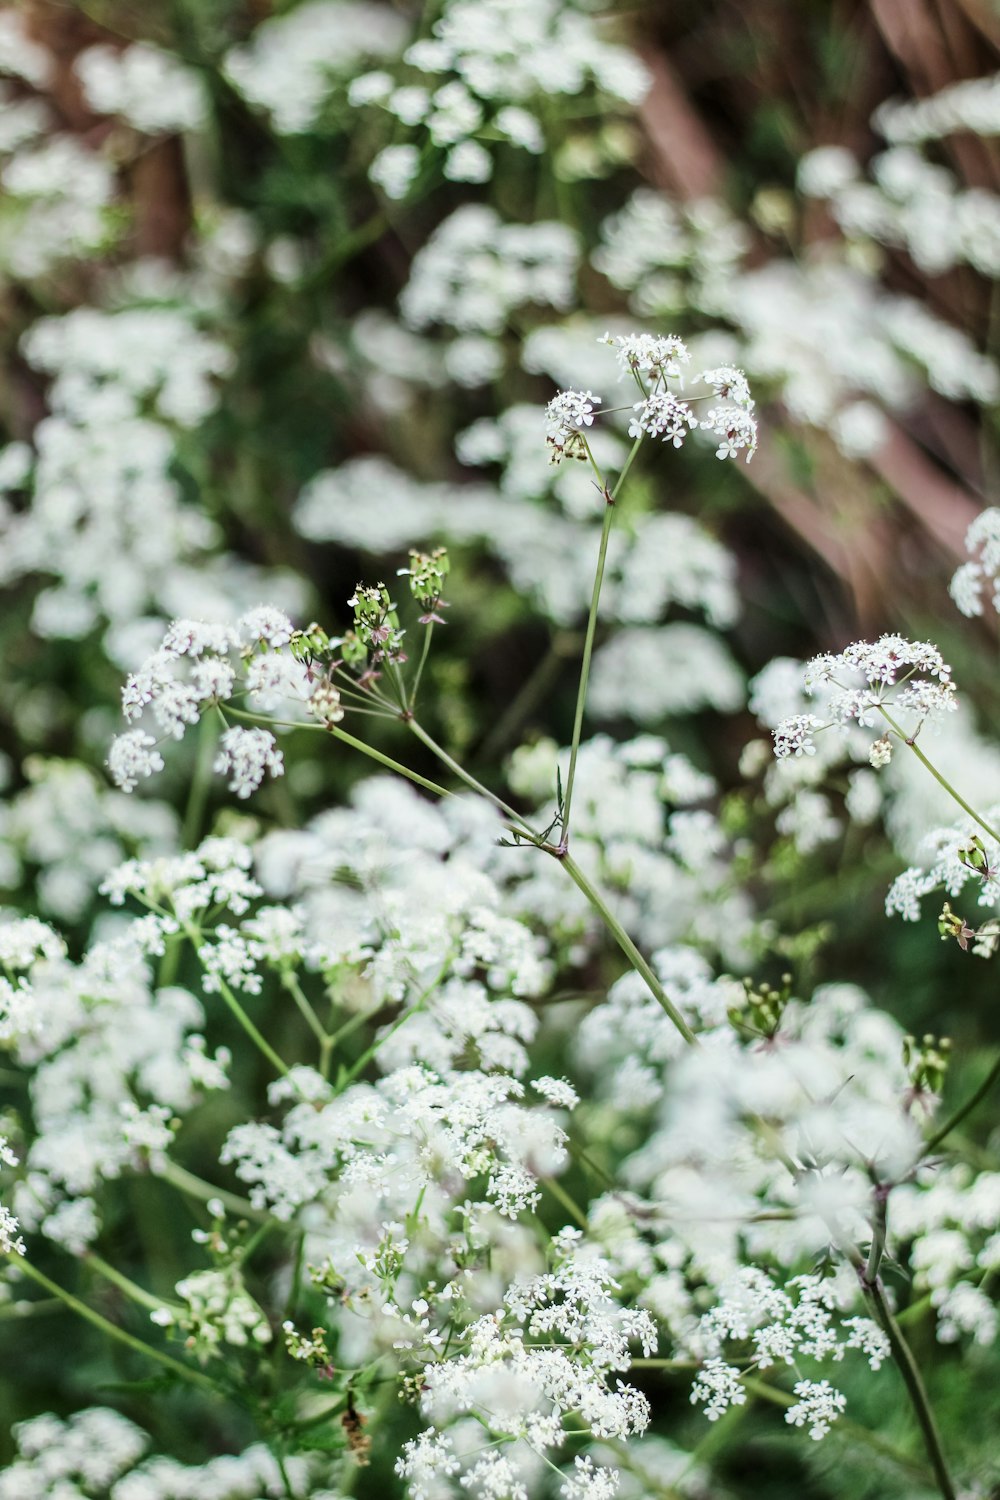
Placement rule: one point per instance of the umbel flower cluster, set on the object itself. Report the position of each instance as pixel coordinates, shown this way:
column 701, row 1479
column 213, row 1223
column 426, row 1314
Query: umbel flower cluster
column 861, row 684
column 652, row 361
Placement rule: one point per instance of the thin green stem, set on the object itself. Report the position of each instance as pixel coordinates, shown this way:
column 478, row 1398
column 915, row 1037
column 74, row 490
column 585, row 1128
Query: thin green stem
column 259, row 1040
column 464, row 775
column 388, row 762
column 291, row 984
column 941, row 780
column 346, row 739
column 627, row 946
column 420, row 665
column 877, row 1248
column 610, row 497
column 132, row 1290
column 561, row 1196
column 964, row 1109
column 196, row 1187
column 111, row 1330
column 194, row 813
column 411, row 1010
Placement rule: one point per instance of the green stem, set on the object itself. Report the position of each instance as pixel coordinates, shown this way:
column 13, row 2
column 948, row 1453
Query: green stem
column 464, row 775
column 588, row 649
column 291, row 984
column 388, row 762
column 610, row 497
column 561, row 1196
column 627, row 946
column 196, row 1187
column 258, row 1039
column 111, row 1330
column 194, row 813
column 420, row 666
column 132, row 1290
column 346, row 739
column 916, row 1390
column 877, row 1248
column 941, row 780
column 964, row 1109
column 411, row 1010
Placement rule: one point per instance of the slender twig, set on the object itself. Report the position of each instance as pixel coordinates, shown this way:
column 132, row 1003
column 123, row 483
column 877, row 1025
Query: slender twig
column 911, row 743
column 185, row 1372
column 610, row 497
column 196, row 1187
column 194, row 813
column 259, row 1040
column 561, row 1196
column 420, row 665
column 964, row 1109
column 291, row 983
column 387, row 761
column 125, row 1284
column 463, row 775
column 627, row 946
column 348, row 739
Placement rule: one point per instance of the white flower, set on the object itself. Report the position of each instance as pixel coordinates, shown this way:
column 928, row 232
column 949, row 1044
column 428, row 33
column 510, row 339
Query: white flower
column 662, row 415
column 569, row 412
column 394, row 170
column 133, row 755
column 819, row 1405
column 246, row 755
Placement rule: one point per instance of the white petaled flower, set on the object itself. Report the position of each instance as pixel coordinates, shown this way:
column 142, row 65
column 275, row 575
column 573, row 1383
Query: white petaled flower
column 664, row 416
column 871, row 682
column 132, row 756
column 729, row 384
column 246, row 755
column 718, row 1387
column 661, row 357
column 794, row 736
column 966, row 587
column 819, row 1405
column 569, row 412
column 736, row 429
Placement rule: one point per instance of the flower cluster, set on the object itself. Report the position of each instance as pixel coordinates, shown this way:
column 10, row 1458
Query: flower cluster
column 525, row 1368
column 652, row 360
column 862, row 683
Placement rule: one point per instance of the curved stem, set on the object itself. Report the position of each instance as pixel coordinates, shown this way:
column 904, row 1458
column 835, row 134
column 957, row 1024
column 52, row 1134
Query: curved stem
column 959, row 1115
column 627, row 946
column 346, row 739
column 194, row 1377
column 196, row 1187
column 588, row 649
column 259, row 1040
column 132, row 1290
column 941, row 780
